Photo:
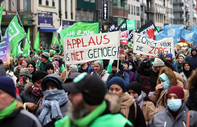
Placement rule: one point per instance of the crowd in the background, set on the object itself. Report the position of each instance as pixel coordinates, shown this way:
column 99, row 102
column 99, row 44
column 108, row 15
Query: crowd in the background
column 134, row 91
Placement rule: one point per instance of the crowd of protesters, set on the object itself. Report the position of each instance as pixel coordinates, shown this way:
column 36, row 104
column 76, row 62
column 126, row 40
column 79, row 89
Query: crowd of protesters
column 41, row 90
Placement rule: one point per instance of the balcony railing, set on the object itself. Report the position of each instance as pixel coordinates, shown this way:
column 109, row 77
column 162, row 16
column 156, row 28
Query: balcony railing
column 150, row 9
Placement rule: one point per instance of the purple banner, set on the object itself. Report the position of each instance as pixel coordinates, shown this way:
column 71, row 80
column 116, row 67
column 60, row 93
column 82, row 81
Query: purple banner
column 67, row 23
column 45, row 19
column 3, row 49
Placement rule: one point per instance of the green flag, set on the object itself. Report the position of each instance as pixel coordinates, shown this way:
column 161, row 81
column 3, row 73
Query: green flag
column 1, row 10
column 15, row 51
column 80, row 29
column 16, row 33
column 37, row 41
column 61, row 41
column 63, row 68
column 54, row 40
column 27, row 46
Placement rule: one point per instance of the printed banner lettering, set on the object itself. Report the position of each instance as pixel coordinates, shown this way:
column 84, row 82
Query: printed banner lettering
column 146, row 46
column 92, row 47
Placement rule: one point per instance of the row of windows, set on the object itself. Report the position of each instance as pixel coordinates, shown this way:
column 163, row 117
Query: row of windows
column 84, row 16
column 47, row 2
column 133, row 10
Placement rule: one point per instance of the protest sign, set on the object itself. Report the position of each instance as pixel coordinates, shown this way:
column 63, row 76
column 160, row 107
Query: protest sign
column 3, row 51
column 91, row 47
column 124, row 37
column 146, row 46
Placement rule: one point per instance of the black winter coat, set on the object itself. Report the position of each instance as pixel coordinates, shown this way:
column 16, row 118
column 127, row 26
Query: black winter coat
column 192, row 100
column 20, row 118
column 142, row 69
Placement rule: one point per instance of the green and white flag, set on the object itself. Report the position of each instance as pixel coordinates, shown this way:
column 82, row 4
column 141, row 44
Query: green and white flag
column 54, row 40
column 80, row 29
column 37, row 41
column 16, row 33
column 27, row 46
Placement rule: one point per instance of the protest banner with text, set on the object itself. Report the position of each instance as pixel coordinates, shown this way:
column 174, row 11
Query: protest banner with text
column 146, row 46
column 91, row 47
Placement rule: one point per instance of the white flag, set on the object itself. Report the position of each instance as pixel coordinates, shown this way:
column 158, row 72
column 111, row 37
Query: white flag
column 60, row 29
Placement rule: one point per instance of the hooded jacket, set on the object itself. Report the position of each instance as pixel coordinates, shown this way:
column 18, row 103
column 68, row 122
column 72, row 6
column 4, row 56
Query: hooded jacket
column 165, row 118
column 152, row 72
column 192, row 86
column 2, row 71
column 192, row 59
column 103, row 75
column 132, row 76
column 20, row 118
column 110, row 113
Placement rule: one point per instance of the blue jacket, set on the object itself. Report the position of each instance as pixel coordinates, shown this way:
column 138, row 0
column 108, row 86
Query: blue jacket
column 192, row 60
column 124, row 75
column 175, row 66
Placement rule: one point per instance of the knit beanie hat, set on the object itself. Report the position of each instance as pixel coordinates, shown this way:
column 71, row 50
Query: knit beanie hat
column 38, row 75
column 177, row 90
column 135, row 86
column 7, row 85
column 158, row 62
column 115, row 63
column 126, row 62
column 56, row 62
column 119, row 81
column 170, row 55
column 45, row 55
column 181, row 55
column 49, row 66
column 52, row 80
column 25, row 72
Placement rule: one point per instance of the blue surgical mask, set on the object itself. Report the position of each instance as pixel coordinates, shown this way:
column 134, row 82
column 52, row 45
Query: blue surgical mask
column 130, row 67
column 166, row 85
column 174, row 104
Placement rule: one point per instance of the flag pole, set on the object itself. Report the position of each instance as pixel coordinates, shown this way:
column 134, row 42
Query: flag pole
column 22, row 25
column 0, row 22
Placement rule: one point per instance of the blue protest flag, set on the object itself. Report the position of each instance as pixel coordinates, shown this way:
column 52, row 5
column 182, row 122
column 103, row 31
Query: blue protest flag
column 159, row 36
column 187, row 35
column 194, row 29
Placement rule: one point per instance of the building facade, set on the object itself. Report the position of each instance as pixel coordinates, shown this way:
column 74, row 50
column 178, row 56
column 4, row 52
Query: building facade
column 134, row 11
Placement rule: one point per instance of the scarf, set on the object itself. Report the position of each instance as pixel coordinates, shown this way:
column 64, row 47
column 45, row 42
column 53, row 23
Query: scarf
column 87, row 120
column 127, row 101
column 52, row 101
column 37, row 92
column 10, row 109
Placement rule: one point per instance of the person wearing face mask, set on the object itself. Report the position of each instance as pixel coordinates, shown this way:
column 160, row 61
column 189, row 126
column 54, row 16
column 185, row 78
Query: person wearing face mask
column 32, row 95
column 176, row 112
column 165, row 80
column 132, row 76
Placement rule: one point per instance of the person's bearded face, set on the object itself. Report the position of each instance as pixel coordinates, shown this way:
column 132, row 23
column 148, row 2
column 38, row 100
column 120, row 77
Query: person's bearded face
column 78, row 111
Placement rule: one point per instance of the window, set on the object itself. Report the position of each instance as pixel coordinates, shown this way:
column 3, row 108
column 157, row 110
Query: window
column 47, row 2
column 53, row 3
column 115, row 2
column 84, row 15
column 78, row 15
column 131, row 9
column 40, row 1
column 90, row 16
column 10, row 3
column 71, row 8
column 138, row 24
column 134, row 10
column 92, row 1
column 27, row 5
column 138, row 11
column 128, row 8
column 18, row 5
column 66, row 15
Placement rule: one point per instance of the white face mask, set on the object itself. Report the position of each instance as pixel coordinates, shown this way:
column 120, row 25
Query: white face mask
column 130, row 67
column 174, row 104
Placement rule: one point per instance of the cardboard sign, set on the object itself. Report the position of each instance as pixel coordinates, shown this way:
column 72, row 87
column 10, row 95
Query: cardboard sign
column 92, row 47
column 146, row 46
